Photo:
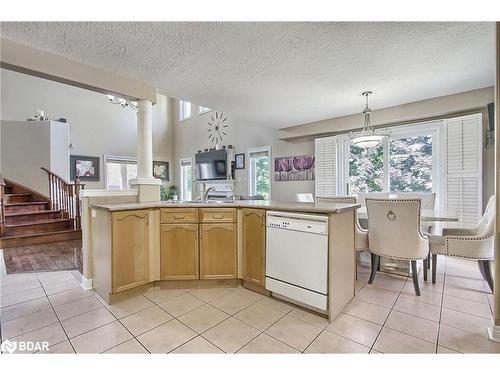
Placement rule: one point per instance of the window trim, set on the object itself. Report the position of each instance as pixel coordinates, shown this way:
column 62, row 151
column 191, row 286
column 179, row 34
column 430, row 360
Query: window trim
column 202, row 110
column 181, row 179
column 105, row 167
column 181, row 110
column 256, row 150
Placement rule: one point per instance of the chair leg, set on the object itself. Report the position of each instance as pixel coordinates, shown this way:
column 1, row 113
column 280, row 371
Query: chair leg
column 487, row 273
column 426, row 264
column 481, row 268
column 434, row 267
column 429, row 261
column 375, row 263
column 415, row 277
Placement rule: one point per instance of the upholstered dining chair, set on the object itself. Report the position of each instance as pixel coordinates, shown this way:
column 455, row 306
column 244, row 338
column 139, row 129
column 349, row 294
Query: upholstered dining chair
column 361, row 199
column 428, row 200
column 475, row 243
column 361, row 235
column 394, row 232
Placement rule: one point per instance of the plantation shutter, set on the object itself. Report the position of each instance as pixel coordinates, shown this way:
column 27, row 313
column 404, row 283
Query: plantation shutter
column 326, row 167
column 463, row 179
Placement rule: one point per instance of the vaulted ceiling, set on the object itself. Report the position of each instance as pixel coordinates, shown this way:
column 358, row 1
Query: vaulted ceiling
column 280, row 74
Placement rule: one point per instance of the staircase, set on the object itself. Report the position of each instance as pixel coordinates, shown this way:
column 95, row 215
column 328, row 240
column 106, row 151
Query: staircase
column 28, row 217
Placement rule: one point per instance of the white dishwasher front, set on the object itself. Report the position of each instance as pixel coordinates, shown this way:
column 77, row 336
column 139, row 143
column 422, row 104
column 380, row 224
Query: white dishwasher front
column 297, row 257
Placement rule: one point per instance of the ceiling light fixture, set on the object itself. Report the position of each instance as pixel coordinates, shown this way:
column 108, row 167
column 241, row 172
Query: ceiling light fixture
column 368, row 137
column 123, row 102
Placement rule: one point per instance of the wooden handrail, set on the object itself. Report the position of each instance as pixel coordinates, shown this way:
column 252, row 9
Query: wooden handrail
column 77, row 182
column 2, row 206
column 65, row 197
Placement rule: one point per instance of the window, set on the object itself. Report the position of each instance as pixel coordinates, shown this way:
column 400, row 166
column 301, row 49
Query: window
column 366, row 169
column 119, row 172
column 184, row 110
column 259, row 172
column 186, row 171
column 404, row 162
column 202, row 110
column 441, row 156
column 410, row 164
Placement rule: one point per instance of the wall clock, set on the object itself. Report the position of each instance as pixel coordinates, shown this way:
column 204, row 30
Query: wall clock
column 217, row 127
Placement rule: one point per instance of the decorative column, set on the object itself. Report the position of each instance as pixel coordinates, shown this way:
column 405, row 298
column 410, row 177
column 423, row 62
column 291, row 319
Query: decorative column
column 148, row 187
column 494, row 332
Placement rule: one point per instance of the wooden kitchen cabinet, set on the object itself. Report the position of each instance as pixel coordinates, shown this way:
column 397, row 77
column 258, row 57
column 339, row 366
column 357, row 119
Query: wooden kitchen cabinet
column 130, row 249
column 254, row 245
column 179, row 252
column 218, row 254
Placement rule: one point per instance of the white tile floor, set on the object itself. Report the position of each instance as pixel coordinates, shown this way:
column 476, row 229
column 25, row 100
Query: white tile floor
column 386, row 317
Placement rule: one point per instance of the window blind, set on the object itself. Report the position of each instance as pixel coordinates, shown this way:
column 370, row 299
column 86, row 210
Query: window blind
column 463, row 169
column 326, row 167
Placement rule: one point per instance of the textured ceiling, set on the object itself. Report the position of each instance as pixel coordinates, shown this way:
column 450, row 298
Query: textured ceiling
column 280, row 74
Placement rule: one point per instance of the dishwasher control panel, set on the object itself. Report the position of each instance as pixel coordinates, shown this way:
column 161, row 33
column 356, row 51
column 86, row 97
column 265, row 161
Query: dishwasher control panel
column 298, row 222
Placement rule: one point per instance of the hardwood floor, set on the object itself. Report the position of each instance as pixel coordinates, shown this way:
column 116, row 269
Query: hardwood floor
column 55, row 256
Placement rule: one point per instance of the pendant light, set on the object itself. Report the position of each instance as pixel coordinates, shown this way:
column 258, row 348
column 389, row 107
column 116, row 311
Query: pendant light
column 368, row 137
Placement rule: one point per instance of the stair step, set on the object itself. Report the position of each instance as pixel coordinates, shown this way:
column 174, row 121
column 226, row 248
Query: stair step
column 23, row 217
column 26, row 207
column 40, row 238
column 50, row 225
column 18, row 198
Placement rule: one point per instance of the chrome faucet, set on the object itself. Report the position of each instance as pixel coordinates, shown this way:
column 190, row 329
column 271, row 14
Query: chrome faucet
column 206, row 191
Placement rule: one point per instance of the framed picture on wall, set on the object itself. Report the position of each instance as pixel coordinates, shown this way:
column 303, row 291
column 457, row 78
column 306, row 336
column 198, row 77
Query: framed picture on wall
column 239, row 161
column 84, row 167
column 160, row 170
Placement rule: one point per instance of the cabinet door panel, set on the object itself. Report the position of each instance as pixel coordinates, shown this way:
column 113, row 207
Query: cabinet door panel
column 218, row 256
column 130, row 249
column 179, row 252
column 254, row 245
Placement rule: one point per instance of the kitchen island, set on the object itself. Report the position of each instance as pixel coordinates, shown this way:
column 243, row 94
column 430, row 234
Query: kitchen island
column 196, row 244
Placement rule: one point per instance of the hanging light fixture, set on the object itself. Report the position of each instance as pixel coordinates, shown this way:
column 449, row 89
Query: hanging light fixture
column 123, row 102
column 368, row 137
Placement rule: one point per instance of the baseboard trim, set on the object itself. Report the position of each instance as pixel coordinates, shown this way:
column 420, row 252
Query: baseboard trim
column 86, row 283
column 494, row 333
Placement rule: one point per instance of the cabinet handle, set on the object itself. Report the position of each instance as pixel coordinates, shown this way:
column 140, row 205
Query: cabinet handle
column 179, row 216
column 217, row 216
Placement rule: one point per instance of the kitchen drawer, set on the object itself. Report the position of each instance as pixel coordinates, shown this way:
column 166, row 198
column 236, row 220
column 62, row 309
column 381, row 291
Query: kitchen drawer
column 218, row 215
column 179, row 215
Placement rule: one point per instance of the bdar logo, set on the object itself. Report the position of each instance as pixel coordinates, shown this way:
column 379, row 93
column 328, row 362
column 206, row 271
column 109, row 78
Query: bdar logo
column 8, row 346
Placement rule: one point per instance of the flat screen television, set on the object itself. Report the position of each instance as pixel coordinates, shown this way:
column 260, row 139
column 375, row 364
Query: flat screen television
column 211, row 165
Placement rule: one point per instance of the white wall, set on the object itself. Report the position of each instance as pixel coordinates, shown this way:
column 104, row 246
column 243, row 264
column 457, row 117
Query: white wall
column 97, row 127
column 59, row 149
column 26, row 148
column 191, row 135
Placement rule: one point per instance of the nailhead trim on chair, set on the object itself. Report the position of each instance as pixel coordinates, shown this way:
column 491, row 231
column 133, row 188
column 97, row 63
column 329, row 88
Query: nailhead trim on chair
column 396, row 257
column 463, row 238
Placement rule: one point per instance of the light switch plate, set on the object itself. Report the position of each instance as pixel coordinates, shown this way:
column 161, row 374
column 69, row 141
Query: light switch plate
column 94, row 214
